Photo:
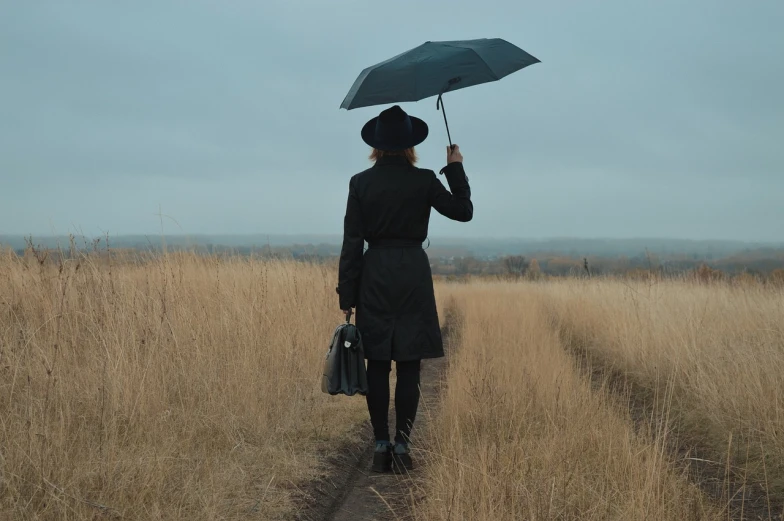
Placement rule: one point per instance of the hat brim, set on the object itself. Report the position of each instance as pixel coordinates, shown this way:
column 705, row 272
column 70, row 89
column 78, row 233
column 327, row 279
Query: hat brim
column 419, row 132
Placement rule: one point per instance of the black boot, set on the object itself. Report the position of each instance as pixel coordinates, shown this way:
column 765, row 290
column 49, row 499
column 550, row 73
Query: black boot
column 382, row 457
column 401, row 459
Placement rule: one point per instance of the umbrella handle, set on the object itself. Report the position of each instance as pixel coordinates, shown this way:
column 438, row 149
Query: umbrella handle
column 440, row 106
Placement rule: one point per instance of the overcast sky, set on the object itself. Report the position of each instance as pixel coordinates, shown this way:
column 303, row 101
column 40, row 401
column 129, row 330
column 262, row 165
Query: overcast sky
column 644, row 119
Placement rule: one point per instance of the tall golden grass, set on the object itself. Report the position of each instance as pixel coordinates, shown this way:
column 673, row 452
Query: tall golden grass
column 187, row 387
column 709, row 358
column 180, row 387
column 522, row 435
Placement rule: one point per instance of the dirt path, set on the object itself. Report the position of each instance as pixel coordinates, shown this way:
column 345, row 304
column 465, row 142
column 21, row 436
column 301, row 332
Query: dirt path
column 352, row 492
column 372, row 496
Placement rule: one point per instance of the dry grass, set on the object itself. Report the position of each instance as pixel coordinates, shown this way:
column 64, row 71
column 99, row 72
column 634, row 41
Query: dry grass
column 187, row 387
column 521, row 434
column 176, row 388
column 712, row 356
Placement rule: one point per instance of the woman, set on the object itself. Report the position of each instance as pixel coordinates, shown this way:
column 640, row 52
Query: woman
column 391, row 285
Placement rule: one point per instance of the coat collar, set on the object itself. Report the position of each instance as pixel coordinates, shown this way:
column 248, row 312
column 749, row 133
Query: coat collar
column 392, row 160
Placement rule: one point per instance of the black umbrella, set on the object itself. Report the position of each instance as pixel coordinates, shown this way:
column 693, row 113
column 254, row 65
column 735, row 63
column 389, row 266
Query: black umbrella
column 433, row 69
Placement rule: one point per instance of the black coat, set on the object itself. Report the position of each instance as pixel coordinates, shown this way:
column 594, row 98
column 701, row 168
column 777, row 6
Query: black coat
column 391, row 285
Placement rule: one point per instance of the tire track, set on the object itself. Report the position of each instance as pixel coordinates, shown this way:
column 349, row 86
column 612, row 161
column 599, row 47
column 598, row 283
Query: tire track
column 745, row 501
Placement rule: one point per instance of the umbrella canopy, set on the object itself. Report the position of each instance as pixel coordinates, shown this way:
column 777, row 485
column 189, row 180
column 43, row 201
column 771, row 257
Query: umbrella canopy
column 435, row 68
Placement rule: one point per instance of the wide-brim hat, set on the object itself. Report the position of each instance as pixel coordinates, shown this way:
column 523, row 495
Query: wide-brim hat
column 394, row 130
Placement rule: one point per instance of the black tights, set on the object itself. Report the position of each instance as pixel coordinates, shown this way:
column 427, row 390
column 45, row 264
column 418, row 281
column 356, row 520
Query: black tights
column 406, row 397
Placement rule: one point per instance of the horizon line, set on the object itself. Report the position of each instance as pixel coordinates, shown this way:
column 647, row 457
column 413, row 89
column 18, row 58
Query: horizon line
column 509, row 238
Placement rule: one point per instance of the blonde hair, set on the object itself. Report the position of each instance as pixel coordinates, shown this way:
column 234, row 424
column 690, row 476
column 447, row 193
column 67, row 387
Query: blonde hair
column 409, row 153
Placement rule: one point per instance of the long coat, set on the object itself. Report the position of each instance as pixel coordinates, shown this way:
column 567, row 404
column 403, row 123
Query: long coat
column 391, row 285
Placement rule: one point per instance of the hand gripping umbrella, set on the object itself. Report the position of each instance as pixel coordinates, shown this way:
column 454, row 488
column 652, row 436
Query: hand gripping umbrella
column 433, row 69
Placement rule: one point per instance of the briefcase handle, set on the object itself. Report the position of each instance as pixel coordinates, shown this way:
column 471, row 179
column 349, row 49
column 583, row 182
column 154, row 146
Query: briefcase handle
column 348, row 316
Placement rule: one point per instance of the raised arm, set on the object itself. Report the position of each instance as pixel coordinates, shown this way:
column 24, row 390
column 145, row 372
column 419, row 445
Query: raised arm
column 350, row 267
column 456, row 205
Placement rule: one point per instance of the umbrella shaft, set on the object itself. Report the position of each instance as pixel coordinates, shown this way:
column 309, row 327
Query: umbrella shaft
column 440, row 106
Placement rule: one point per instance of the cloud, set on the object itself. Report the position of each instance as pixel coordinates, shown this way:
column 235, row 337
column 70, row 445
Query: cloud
column 228, row 113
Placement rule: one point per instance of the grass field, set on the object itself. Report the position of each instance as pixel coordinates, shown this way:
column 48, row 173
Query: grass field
column 707, row 359
column 177, row 388
column 522, row 435
column 187, row 387
column 533, row 425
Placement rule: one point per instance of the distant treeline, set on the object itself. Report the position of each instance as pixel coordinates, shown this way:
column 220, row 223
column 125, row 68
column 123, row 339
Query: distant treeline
column 761, row 263
column 480, row 248
column 456, row 262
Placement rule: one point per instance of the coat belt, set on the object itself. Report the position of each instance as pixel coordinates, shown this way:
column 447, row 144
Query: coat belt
column 394, row 243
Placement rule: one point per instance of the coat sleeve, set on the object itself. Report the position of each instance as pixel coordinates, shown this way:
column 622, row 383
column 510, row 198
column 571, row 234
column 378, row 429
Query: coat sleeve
column 456, row 205
column 350, row 266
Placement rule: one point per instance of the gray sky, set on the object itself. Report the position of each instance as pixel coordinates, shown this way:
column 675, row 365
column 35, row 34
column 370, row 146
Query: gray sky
column 644, row 118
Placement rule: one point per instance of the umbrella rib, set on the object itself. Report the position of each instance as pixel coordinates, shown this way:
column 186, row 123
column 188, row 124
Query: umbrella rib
column 453, row 46
column 492, row 72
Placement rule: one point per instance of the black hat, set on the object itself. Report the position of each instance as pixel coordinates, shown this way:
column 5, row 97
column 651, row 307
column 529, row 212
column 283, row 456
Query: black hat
column 394, row 130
